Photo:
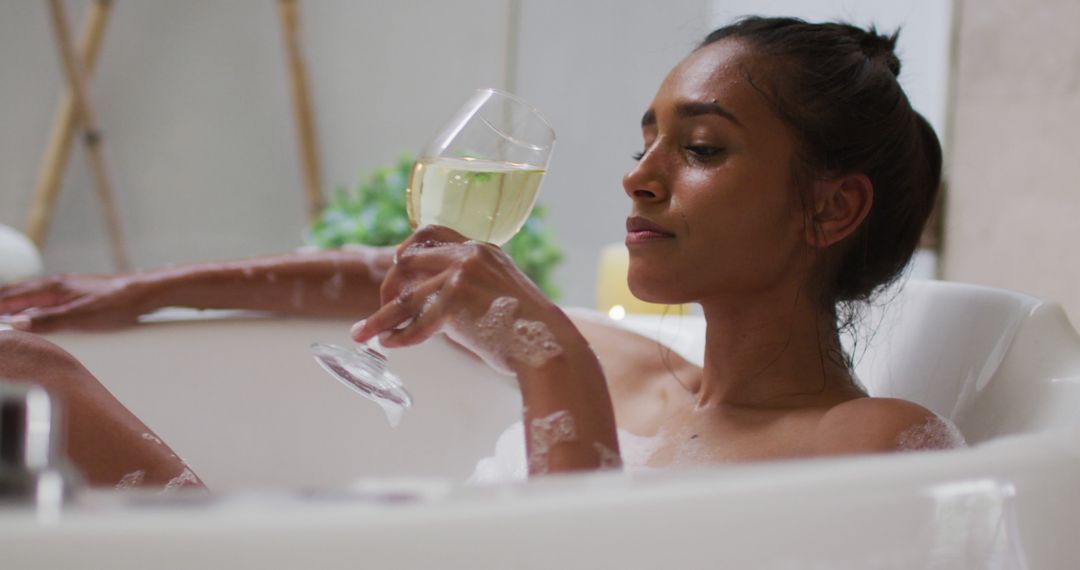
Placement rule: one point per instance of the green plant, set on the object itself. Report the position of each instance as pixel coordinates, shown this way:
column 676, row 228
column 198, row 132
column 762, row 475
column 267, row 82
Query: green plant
column 375, row 214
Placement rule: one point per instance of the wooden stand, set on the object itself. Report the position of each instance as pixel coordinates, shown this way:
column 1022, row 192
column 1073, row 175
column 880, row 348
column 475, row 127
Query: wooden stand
column 76, row 110
column 305, row 122
column 92, row 135
column 67, row 116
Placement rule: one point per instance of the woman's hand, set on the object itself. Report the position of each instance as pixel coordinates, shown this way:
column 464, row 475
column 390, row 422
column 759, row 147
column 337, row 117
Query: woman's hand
column 332, row 282
column 442, row 282
column 72, row 301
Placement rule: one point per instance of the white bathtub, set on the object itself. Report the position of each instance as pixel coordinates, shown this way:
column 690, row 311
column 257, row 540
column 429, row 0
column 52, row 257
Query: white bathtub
column 244, row 403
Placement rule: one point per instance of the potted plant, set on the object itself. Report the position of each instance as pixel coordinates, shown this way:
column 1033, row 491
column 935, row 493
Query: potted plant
column 375, row 214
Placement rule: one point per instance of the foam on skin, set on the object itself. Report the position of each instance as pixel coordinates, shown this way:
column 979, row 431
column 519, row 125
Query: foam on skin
column 608, row 458
column 333, row 287
column 153, row 438
column 185, row 478
column 131, row 480
column 544, row 434
column 429, row 301
column 510, row 462
column 498, row 338
column 935, row 433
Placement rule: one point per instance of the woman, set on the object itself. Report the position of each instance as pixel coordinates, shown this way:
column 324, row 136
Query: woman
column 783, row 177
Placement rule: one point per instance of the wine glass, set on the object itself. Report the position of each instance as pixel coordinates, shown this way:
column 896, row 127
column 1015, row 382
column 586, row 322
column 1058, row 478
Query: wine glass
column 481, row 174
column 480, row 177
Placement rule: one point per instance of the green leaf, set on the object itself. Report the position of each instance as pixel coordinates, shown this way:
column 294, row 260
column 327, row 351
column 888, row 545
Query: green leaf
column 375, row 214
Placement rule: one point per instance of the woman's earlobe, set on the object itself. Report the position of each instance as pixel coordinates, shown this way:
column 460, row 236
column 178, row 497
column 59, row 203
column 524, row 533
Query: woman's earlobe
column 840, row 206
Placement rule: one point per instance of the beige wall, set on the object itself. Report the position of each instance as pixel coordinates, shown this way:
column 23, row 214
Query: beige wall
column 194, row 101
column 1013, row 208
column 193, row 98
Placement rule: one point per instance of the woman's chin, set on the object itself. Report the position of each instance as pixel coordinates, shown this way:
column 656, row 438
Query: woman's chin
column 658, row 290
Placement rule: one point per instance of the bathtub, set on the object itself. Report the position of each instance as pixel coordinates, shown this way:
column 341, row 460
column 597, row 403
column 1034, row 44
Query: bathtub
column 310, row 475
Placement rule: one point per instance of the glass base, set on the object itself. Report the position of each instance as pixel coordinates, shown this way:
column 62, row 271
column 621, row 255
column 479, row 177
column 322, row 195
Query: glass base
column 364, row 370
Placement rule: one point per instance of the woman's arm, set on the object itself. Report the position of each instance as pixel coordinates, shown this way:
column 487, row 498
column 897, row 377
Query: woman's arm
column 568, row 415
column 110, row 446
column 334, row 282
column 473, row 293
column 322, row 283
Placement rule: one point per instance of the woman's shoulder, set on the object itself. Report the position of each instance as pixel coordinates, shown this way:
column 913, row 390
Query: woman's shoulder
column 867, row 425
column 628, row 358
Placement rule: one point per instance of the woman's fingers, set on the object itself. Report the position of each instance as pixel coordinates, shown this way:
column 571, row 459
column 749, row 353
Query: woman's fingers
column 413, row 268
column 434, row 272
column 21, row 287
column 21, row 303
column 424, row 257
column 470, row 255
column 18, row 297
column 427, row 323
column 408, row 304
column 430, row 236
column 77, row 314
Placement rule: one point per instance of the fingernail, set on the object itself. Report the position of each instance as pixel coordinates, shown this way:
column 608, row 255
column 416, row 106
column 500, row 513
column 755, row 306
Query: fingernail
column 20, row 322
column 356, row 328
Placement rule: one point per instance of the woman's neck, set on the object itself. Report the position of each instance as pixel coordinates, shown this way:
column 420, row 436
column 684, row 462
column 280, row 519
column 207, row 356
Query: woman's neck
column 778, row 349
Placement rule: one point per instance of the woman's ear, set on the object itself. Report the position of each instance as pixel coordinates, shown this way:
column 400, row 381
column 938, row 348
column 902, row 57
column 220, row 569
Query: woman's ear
column 840, row 206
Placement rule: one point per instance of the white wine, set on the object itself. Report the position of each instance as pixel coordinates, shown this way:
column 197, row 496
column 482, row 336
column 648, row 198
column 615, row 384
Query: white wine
column 481, row 199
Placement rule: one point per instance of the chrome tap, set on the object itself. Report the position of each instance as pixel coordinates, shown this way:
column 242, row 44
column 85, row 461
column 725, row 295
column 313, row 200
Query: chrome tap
column 33, row 468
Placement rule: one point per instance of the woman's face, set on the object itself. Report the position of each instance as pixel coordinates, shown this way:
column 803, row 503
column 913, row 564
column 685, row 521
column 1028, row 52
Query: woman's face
column 715, row 210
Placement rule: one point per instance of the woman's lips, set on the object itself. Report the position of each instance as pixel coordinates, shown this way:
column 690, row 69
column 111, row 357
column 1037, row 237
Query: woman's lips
column 642, row 230
column 645, row 236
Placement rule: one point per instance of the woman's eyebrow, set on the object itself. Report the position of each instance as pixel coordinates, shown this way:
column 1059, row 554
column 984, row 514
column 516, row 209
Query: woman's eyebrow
column 696, row 108
column 693, row 109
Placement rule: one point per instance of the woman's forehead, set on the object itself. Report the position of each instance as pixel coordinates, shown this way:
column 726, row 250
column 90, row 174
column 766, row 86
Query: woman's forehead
column 718, row 73
column 712, row 71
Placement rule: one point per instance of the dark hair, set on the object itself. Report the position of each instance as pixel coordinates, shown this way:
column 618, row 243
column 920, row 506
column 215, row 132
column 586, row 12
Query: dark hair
column 836, row 85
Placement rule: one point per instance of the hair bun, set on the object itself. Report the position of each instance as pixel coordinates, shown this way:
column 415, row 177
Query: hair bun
column 881, row 48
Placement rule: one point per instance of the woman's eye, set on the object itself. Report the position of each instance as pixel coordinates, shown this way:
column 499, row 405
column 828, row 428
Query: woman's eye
column 698, row 151
column 704, row 151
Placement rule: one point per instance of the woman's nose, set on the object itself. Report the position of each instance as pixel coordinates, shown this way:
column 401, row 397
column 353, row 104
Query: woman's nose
column 646, row 180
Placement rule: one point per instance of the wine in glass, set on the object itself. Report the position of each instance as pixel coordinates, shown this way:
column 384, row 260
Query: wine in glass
column 481, row 174
column 480, row 177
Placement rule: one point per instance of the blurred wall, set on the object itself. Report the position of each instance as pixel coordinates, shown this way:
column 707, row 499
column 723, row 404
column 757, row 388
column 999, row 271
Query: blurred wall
column 194, row 100
column 1013, row 209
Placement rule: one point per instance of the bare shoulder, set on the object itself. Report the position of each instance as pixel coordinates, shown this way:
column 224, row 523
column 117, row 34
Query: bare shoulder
column 629, row 359
column 867, row 425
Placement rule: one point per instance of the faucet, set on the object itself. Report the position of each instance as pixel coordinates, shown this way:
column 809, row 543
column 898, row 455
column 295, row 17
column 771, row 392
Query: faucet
column 34, row 471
